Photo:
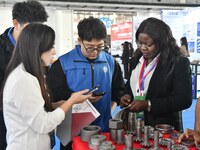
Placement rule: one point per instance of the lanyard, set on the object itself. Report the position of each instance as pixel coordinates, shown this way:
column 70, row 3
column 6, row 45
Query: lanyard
column 142, row 76
column 10, row 36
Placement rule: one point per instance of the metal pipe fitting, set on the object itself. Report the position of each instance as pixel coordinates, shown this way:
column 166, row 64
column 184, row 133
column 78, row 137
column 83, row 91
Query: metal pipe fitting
column 128, row 142
column 115, row 124
column 88, row 131
column 107, row 145
column 120, row 136
column 95, row 141
column 113, row 134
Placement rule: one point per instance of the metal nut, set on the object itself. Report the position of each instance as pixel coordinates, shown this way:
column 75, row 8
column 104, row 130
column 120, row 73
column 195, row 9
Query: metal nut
column 115, row 124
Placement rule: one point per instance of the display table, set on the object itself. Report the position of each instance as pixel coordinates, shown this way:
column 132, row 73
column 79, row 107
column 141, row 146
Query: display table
column 78, row 144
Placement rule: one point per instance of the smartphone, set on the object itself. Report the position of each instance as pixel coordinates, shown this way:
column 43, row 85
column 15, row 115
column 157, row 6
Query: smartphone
column 93, row 89
column 98, row 93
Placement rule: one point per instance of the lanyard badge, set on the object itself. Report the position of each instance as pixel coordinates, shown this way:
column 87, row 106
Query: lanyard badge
column 140, row 91
column 143, row 75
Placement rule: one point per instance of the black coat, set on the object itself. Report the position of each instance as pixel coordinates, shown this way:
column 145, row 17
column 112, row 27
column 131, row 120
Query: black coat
column 168, row 94
column 6, row 49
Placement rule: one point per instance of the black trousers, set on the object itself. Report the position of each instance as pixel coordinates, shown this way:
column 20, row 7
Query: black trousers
column 67, row 147
column 126, row 70
column 2, row 132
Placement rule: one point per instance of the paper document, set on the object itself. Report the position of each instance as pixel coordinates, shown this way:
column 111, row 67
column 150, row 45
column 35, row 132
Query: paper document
column 79, row 116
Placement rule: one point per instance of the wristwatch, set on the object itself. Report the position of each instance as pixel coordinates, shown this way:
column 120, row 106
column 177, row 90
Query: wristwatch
column 149, row 106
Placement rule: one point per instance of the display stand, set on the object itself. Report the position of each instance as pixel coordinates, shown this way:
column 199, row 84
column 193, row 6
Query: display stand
column 195, row 67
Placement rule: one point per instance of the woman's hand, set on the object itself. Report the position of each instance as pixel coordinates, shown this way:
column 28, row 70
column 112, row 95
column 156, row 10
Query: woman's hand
column 190, row 135
column 125, row 100
column 76, row 97
column 81, row 96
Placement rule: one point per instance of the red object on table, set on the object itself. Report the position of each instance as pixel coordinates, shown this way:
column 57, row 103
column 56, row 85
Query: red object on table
column 78, row 144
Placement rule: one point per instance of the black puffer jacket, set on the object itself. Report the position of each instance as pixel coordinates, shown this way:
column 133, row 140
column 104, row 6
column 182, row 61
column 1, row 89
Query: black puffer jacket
column 6, row 49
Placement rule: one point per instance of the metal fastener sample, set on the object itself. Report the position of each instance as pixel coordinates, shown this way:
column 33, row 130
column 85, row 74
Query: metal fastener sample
column 165, row 141
column 88, row 131
column 146, row 142
column 107, row 145
column 178, row 147
column 115, row 124
column 96, row 140
column 113, row 134
column 151, row 135
column 132, row 123
column 138, row 138
column 169, row 145
column 156, row 141
column 128, row 142
column 120, row 136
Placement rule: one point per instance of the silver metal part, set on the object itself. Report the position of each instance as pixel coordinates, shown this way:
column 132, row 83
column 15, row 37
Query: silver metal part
column 146, row 142
column 113, row 134
column 156, row 145
column 151, row 135
column 169, row 145
column 115, row 124
column 165, row 141
column 128, row 142
column 107, row 145
column 164, row 128
column 132, row 123
column 138, row 138
column 88, row 131
column 95, row 141
column 179, row 147
column 120, row 136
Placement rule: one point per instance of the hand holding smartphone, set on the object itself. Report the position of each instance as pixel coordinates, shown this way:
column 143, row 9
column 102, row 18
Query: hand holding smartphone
column 98, row 93
column 93, row 89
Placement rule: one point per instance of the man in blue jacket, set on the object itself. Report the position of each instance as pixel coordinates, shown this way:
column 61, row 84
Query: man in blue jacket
column 86, row 66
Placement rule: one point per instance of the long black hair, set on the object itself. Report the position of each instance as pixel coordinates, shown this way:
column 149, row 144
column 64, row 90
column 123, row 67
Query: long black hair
column 34, row 40
column 184, row 42
column 162, row 37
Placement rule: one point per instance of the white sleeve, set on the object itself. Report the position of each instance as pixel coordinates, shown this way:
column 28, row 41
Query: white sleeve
column 29, row 101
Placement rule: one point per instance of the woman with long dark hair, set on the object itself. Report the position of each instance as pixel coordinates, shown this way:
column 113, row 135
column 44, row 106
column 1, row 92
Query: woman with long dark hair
column 184, row 47
column 160, row 83
column 28, row 112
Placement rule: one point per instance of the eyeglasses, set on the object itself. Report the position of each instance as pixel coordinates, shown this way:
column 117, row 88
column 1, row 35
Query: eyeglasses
column 92, row 49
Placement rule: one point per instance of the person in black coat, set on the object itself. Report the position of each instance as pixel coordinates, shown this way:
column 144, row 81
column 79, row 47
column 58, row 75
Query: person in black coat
column 160, row 78
column 125, row 59
column 23, row 13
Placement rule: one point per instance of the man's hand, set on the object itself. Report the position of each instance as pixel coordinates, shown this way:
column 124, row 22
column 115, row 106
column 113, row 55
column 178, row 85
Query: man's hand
column 125, row 100
column 138, row 105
